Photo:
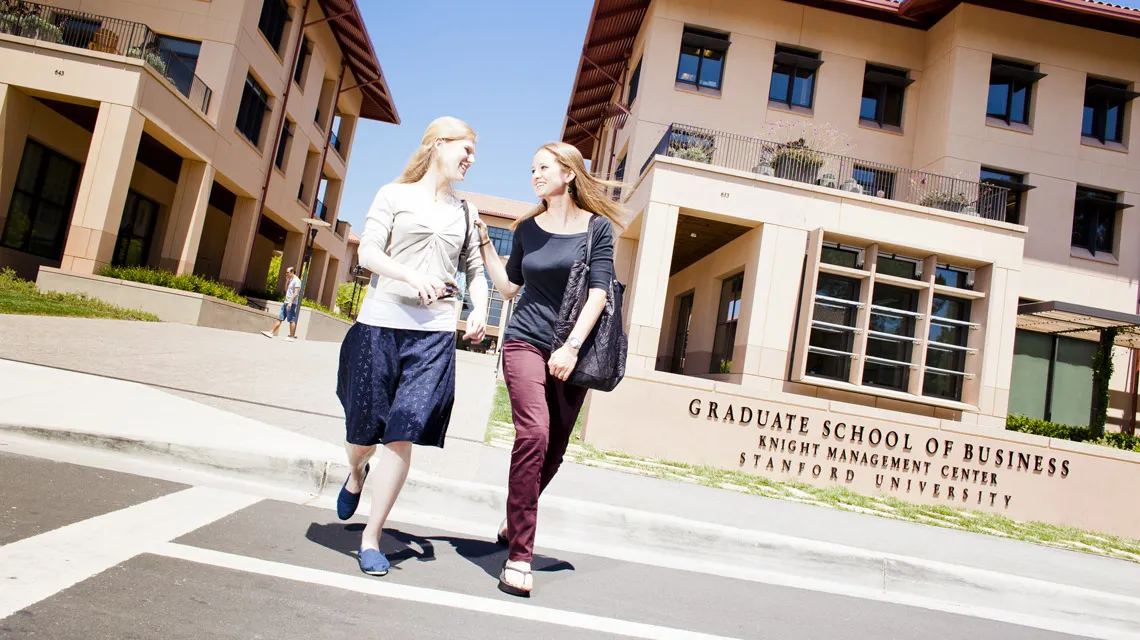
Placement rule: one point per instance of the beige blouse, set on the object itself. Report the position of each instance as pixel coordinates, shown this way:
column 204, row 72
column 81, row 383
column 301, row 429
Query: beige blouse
column 422, row 234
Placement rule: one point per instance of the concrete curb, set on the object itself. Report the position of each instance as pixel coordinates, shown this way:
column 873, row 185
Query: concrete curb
column 605, row 526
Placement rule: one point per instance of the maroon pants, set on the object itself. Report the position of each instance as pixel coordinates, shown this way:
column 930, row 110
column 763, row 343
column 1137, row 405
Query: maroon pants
column 544, row 410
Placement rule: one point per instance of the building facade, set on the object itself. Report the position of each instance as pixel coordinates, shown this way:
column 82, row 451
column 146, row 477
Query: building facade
column 187, row 135
column 913, row 216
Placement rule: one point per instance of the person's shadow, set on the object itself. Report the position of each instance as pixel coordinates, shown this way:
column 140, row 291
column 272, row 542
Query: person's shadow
column 399, row 547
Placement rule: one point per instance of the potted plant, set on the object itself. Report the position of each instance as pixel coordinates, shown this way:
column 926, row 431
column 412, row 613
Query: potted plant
column 852, row 186
column 10, row 23
column 954, row 202
column 33, row 26
column 764, row 167
column 797, row 161
column 152, row 57
column 828, row 180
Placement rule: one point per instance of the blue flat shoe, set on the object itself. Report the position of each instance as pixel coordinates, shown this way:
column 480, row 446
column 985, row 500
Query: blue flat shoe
column 373, row 562
column 347, row 502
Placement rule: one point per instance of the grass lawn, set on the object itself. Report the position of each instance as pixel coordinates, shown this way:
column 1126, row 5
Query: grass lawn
column 22, row 297
column 501, row 433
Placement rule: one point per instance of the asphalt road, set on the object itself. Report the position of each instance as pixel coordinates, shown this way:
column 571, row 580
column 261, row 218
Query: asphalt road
column 87, row 554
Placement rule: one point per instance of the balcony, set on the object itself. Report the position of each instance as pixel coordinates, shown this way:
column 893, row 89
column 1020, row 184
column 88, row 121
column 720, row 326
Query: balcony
column 792, row 161
column 322, row 210
column 334, row 140
column 341, row 229
column 107, row 35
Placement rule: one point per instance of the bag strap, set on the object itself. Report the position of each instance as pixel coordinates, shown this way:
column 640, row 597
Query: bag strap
column 590, row 237
column 462, row 265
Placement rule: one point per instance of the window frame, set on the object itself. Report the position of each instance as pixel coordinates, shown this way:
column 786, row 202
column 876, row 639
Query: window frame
column 122, row 241
column 1096, row 206
column 634, row 82
column 249, row 113
column 1015, row 183
column 1017, row 76
column 501, row 239
column 266, row 20
column 909, row 319
column 303, row 56
column 619, row 176
column 281, row 155
column 1102, row 105
column 720, row 361
column 852, row 305
column 706, row 42
column 887, row 79
column 795, row 60
column 36, row 198
column 961, row 347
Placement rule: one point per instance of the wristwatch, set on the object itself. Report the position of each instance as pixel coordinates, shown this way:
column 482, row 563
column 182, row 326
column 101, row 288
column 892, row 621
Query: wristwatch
column 574, row 343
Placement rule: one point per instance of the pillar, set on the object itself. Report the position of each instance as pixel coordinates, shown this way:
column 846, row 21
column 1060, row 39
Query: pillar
column 239, row 245
column 332, row 280
column 292, row 255
column 314, row 285
column 649, row 282
column 103, row 189
column 187, row 217
column 767, row 323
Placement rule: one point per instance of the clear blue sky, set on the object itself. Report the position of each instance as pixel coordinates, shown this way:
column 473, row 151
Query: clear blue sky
column 506, row 67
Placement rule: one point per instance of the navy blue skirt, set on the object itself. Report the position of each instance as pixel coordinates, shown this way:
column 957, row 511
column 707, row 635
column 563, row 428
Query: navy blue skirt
column 396, row 385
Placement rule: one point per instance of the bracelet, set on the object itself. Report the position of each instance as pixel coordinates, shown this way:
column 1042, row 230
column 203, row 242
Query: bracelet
column 483, row 244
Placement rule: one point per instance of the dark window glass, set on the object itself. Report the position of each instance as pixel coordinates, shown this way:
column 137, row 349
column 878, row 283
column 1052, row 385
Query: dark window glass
column 132, row 247
column 681, row 333
column 946, row 352
column 302, row 58
column 728, row 312
column 840, row 256
column 619, row 176
column 995, row 208
column 40, row 209
column 502, row 240
column 793, row 80
column 252, row 110
column 883, row 91
column 875, row 182
column 951, row 277
column 832, row 337
column 274, row 17
column 283, row 145
column 702, row 58
column 1103, row 116
column 889, row 344
column 181, row 60
column 1010, row 91
column 896, row 266
column 1094, row 220
column 634, row 81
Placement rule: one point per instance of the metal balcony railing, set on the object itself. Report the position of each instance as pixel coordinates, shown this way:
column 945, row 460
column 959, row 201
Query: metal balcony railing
column 322, row 211
column 793, row 161
column 108, row 35
column 335, row 141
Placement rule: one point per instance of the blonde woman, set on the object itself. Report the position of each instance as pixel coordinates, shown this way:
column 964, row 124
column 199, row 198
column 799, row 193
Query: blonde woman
column 547, row 242
column 397, row 363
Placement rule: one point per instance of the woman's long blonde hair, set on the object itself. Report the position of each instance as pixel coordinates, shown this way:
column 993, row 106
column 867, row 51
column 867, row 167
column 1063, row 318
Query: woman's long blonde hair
column 446, row 128
column 588, row 192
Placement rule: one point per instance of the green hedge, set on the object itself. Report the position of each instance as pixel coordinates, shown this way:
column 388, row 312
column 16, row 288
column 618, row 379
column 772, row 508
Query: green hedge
column 323, row 309
column 184, row 282
column 1068, row 432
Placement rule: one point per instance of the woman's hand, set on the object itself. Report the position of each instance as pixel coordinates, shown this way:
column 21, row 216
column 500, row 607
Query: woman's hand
column 562, row 362
column 481, row 228
column 476, row 325
column 430, row 288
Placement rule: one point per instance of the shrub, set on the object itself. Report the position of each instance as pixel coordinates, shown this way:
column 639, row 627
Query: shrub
column 323, row 309
column 1075, row 434
column 274, row 276
column 185, row 282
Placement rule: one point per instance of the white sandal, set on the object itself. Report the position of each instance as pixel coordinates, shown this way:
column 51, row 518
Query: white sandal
column 527, row 581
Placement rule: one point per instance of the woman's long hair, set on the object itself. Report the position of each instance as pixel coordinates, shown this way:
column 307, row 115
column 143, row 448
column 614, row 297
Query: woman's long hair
column 588, row 192
column 445, row 128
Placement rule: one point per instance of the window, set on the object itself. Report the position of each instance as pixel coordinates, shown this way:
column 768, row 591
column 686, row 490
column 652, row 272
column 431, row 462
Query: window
column 251, row 112
column 1052, row 377
column 1105, row 103
column 634, row 81
column 132, row 247
column 883, row 91
column 727, row 315
column 842, row 255
column 946, row 351
column 875, row 182
column 832, row 340
column 1011, row 86
column 900, row 266
column 40, row 210
column 283, row 145
column 501, row 239
column 793, row 77
column 181, row 60
column 274, row 17
column 681, row 333
column 890, row 337
column 302, row 58
column 494, row 304
column 996, row 207
column 619, row 176
column 702, row 58
column 1094, row 220
column 957, row 277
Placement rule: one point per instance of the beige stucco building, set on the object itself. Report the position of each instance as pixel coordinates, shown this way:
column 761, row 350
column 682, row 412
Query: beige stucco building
column 194, row 136
column 939, row 251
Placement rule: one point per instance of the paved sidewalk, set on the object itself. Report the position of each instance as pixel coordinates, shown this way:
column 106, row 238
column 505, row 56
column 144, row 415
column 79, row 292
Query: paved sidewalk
column 207, row 388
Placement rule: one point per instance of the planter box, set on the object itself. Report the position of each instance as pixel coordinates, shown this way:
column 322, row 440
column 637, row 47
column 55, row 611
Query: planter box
column 170, row 305
column 311, row 324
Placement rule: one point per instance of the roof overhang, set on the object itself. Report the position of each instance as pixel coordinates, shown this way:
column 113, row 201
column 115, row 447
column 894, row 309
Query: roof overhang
column 360, row 58
column 1078, row 321
column 614, row 25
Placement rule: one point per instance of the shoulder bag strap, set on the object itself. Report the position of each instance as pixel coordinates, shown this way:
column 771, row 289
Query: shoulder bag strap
column 462, row 265
column 590, row 237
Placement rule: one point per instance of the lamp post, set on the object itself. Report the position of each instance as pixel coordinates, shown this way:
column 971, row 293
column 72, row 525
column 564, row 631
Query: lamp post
column 313, row 224
column 357, row 273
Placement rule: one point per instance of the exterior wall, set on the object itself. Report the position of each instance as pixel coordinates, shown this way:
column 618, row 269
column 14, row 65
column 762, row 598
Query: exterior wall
column 231, row 47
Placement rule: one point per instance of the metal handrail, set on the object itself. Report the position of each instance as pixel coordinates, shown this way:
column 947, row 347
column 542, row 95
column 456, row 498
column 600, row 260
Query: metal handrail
column 794, row 162
column 105, row 34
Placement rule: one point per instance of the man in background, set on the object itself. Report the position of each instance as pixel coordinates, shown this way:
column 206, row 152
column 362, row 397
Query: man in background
column 290, row 308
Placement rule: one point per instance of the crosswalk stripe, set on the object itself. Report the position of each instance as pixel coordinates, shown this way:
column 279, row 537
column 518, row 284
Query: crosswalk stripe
column 38, row 567
column 386, row 589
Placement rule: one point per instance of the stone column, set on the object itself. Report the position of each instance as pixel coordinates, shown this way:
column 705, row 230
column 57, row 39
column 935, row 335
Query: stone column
column 239, row 244
column 315, row 283
column 187, row 215
column 103, row 189
column 332, row 271
column 650, row 283
column 767, row 322
column 292, row 255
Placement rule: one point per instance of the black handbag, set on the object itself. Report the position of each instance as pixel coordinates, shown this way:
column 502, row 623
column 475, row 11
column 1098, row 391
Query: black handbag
column 601, row 359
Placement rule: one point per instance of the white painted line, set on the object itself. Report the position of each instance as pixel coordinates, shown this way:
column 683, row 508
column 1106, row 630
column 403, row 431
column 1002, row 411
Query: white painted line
column 39, row 567
column 385, row 589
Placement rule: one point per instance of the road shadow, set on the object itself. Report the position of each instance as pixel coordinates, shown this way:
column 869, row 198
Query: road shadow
column 401, row 546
